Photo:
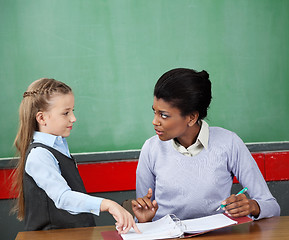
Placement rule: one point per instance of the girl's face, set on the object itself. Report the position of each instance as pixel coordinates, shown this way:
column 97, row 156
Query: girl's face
column 168, row 121
column 59, row 119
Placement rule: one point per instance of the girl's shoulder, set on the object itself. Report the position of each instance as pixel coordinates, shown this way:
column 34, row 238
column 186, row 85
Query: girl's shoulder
column 42, row 155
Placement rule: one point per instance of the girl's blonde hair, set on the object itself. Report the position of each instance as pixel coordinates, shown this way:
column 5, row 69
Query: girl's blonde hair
column 35, row 99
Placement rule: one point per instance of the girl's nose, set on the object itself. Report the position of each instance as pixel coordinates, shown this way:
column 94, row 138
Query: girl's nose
column 73, row 118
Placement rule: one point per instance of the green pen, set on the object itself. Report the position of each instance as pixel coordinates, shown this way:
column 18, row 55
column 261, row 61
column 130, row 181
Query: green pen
column 242, row 191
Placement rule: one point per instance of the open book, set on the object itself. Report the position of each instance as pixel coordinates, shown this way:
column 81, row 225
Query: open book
column 171, row 227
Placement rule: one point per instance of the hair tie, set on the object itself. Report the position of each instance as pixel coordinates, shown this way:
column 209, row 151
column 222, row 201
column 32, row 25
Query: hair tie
column 32, row 93
column 26, row 94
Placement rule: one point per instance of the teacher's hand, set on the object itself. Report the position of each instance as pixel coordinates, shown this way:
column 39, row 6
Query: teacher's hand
column 145, row 209
column 240, row 205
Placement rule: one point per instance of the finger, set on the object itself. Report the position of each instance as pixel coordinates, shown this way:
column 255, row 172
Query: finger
column 238, row 213
column 135, row 227
column 141, row 203
column 126, row 227
column 239, row 203
column 148, row 202
column 155, row 205
column 145, row 203
column 231, row 199
column 135, row 204
column 119, row 227
column 241, row 197
column 232, row 205
column 126, row 224
column 129, row 225
column 226, row 202
column 150, row 193
column 239, row 209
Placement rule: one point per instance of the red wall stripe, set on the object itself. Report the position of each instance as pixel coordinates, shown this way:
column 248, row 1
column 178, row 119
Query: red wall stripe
column 120, row 175
column 5, row 184
column 277, row 166
column 107, row 177
column 260, row 160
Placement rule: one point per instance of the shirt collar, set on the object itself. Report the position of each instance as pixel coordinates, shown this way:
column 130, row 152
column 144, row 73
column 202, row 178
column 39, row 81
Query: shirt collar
column 203, row 136
column 47, row 139
column 201, row 142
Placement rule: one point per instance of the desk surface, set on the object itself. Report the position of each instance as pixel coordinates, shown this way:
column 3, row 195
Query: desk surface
column 276, row 228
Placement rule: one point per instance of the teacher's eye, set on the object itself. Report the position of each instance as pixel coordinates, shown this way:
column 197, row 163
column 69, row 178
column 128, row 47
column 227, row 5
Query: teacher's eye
column 164, row 116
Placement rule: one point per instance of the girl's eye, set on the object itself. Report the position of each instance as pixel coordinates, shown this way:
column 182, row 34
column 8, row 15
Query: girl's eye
column 66, row 113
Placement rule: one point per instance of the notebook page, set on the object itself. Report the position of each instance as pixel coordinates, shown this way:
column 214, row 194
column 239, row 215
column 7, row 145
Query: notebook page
column 160, row 229
column 207, row 223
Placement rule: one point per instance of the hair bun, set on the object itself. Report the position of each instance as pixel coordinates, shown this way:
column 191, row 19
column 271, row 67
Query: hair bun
column 204, row 74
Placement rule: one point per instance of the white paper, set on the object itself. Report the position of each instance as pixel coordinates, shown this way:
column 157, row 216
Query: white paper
column 166, row 227
column 160, row 229
column 207, row 223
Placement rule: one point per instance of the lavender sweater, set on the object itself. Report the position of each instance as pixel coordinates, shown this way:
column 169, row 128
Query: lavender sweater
column 192, row 187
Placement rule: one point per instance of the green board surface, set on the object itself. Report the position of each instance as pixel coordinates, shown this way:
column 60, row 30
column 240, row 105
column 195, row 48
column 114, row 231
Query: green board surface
column 112, row 52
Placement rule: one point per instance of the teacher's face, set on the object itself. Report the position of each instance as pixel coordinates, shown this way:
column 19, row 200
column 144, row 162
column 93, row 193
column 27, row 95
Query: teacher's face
column 168, row 121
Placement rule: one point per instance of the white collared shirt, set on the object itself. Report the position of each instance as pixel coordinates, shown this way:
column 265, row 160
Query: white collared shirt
column 198, row 146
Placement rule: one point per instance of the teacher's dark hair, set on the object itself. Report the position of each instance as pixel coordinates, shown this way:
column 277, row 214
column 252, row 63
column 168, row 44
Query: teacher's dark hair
column 185, row 89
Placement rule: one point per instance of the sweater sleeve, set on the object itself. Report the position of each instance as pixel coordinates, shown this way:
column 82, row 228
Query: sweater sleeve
column 145, row 177
column 246, row 170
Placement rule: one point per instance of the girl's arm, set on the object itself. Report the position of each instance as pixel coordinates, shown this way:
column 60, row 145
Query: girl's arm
column 46, row 173
column 124, row 220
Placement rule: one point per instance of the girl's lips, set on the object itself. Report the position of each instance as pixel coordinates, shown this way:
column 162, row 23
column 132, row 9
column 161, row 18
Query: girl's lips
column 70, row 127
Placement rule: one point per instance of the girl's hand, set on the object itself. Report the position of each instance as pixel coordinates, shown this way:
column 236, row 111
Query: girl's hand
column 124, row 220
column 144, row 209
column 240, row 205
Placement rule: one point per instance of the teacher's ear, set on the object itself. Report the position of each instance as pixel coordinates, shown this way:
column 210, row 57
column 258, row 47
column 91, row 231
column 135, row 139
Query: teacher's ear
column 193, row 118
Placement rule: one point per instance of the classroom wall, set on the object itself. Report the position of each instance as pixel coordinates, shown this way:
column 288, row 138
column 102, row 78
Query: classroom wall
column 112, row 52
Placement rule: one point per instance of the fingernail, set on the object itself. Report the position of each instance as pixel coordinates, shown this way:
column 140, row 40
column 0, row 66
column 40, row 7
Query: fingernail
column 153, row 209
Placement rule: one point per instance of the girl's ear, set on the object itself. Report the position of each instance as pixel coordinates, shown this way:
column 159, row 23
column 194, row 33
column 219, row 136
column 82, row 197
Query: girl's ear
column 193, row 119
column 40, row 118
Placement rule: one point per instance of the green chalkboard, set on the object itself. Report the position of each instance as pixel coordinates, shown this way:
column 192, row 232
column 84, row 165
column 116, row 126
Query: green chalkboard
column 112, row 52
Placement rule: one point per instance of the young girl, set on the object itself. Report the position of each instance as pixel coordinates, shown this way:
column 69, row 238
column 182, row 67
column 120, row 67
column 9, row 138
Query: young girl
column 51, row 192
column 187, row 169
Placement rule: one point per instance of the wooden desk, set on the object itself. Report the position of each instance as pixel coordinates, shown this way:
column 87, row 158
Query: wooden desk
column 276, row 228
